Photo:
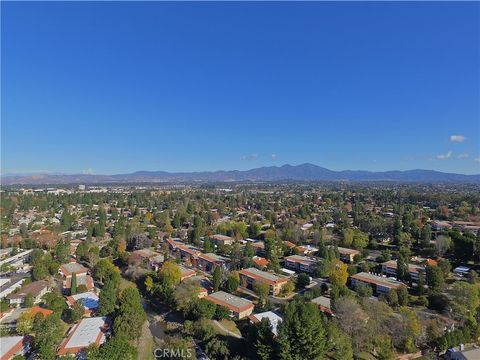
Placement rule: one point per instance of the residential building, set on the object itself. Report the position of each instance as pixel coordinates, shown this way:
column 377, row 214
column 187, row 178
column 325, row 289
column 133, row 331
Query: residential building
column 222, row 239
column 274, row 319
column 251, row 275
column 260, row 262
column 186, row 273
column 347, row 255
column 86, row 332
column 379, row 284
column 9, row 285
column 66, row 270
column 324, row 304
column 300, row 263
column 390, row 268
column 36, row 289
column 89, row 301
column 82, row 279
column 13, row 345
column 238, row 306
column 208, row 262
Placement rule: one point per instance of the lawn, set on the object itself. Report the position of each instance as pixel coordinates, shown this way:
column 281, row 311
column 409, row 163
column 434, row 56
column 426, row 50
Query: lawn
column 227, row 324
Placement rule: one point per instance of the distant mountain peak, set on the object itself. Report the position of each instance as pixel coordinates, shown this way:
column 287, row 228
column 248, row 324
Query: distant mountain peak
column 302, row 172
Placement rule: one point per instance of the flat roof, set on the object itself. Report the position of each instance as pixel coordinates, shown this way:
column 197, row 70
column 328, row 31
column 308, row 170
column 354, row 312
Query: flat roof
column 221, row 237
column 9, row 344
column 322, row 301
column 90, row 299
column 302, row 259
column 88, row 331
column 275, row 320
column 264, row 276
column 212, row 257
column 411, row 267
column 377, row 280
column 73, row 267
column 347, row 251
column 233, row 302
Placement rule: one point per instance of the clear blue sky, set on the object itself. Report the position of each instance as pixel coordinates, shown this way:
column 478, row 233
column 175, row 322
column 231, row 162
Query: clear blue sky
column 118, row 87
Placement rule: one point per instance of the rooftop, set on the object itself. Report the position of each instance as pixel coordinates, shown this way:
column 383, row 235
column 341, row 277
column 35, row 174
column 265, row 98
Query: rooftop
column 89, row 298
column 347, row 251
column 10, row 345
column 275, row 320
column 34, row 289
column 70, row 268
column 231, row 301
column 264, row 276
column 302, row 259
column 377, row 280
column 88, row 331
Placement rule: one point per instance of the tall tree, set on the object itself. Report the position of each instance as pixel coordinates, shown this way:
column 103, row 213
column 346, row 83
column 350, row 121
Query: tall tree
column 73, row 284
column 217, row 278
column 302, row 335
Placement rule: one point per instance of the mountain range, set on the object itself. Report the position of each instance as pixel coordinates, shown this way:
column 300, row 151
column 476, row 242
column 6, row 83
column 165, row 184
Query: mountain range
column 304, row 172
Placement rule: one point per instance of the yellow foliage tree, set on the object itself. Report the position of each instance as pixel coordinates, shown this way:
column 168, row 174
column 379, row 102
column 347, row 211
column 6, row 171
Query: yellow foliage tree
column 338, row 273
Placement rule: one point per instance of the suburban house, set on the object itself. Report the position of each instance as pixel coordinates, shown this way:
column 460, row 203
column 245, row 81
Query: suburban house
column 36, row 289
column 86, row 332
column 13, row 345
column 222, row 239
column 238, row 306
column 274, row 319
column 379, row 284
column 89, row 301
column 251, row 275
column 347, row 255
column 300, row 263
column 208, row 262
column 390, row 268
column 324, row 304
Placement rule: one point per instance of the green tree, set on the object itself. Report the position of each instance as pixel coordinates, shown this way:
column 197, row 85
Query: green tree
column 216, row 278
column 76, row 312
column 73, row 284
column 131, row 315
column 233, row 282
column 170, row 273
column 264, row 340
column 302, row 280
column 28, row 302
column 115, row 348
column 434, row 278
column 302, row 334
column 402, row 267
column 107, row 298
column 48, row 337
column 202, row 309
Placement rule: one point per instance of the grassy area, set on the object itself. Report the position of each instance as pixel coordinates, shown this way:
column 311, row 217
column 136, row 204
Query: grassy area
column 145, row 344
column 227, row 324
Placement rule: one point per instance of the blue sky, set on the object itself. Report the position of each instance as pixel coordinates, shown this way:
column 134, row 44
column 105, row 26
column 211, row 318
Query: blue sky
column 118, row 87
